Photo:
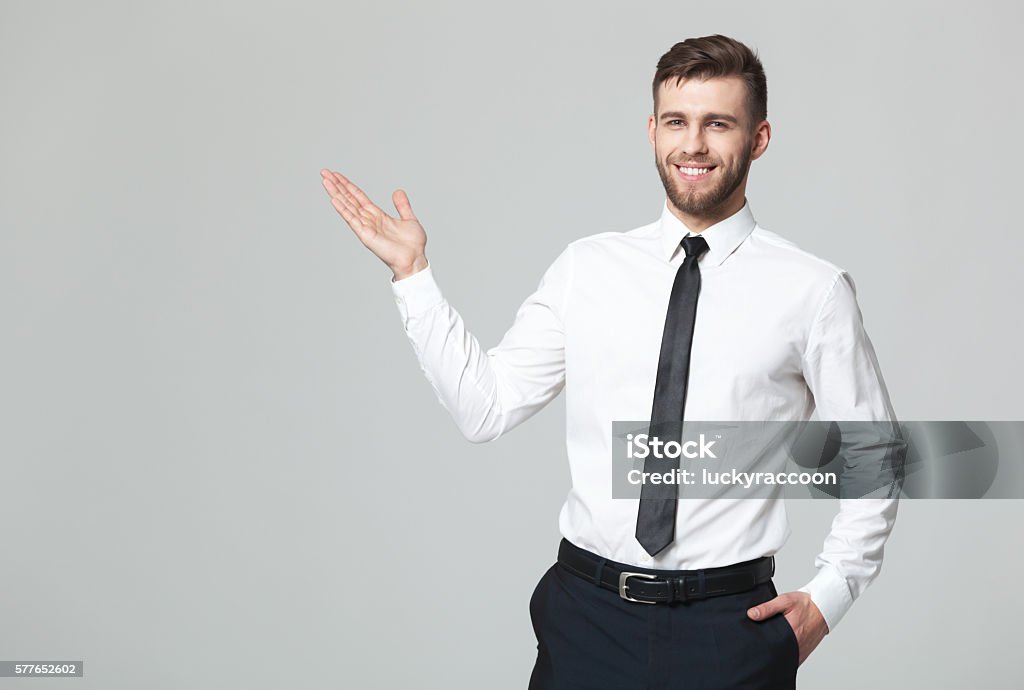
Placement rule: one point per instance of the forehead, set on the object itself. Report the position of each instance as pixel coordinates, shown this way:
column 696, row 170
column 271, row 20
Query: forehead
column 698, row 96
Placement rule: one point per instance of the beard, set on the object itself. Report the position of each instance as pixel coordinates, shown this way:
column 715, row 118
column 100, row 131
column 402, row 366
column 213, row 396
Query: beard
column 702, row 199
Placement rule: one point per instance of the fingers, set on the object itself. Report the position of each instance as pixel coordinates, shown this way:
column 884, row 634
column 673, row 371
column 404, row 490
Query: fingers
column 769, row 608
column 360, row 220
column 361, row 200
column 335, row 187
column 358, row 225
column 338, row 191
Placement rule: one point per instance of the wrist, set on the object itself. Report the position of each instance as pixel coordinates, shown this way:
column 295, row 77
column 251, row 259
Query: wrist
column 406, row 270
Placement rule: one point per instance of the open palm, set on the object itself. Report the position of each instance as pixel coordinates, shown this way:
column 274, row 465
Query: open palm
column 398, row 242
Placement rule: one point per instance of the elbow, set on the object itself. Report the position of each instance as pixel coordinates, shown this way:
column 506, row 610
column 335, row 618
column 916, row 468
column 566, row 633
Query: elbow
column 488, row 429
column 478, row 439
column 481, row 434
column 492, row 417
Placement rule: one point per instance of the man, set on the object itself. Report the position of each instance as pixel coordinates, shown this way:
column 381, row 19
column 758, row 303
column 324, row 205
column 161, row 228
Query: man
column 702, row 308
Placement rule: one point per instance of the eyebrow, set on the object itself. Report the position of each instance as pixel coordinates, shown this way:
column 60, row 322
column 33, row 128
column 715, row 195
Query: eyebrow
column 673, row 114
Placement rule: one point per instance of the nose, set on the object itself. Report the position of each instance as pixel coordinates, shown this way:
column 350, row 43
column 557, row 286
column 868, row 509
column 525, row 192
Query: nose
column 694, row 142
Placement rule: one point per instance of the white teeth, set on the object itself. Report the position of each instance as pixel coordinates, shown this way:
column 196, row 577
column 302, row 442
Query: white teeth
column 694, row 171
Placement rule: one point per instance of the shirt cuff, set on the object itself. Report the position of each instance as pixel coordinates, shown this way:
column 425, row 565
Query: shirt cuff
column 830, row 594
column 417, row 293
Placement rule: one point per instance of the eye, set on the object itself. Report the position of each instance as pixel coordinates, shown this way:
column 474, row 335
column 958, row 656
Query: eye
column 671, row 121
column 716, row 122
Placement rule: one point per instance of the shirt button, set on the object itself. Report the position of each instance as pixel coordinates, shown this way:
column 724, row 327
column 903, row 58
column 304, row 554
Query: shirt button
column 646, row 558
column 398, row 300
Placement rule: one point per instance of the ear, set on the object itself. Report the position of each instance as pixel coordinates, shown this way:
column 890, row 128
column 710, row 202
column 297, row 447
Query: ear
column 762, row 135
column 652, row 128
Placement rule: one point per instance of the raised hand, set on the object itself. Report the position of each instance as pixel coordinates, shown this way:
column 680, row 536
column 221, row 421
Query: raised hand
column 398, row 242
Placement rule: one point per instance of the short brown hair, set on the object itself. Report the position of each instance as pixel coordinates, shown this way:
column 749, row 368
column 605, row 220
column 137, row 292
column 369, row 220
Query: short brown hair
column 716, row 56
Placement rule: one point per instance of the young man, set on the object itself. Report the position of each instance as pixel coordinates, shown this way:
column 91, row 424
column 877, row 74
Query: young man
column 702, row 310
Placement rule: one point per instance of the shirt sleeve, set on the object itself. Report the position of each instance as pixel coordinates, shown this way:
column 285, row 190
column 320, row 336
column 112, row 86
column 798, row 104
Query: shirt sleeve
column 842, row 372
column 490, row 392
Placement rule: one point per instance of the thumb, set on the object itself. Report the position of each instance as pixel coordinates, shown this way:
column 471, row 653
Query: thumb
column 769, row 608
column 402, row 204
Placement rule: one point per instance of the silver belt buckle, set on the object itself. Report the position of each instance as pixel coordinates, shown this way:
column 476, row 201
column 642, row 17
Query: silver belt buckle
column 623, row 588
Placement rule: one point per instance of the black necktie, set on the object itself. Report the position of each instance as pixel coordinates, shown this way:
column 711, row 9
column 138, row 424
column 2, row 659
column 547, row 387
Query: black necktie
column 656, row 518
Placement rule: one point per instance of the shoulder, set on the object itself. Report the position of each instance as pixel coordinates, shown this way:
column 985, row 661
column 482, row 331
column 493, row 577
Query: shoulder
column 614, row 243
column 781, row 254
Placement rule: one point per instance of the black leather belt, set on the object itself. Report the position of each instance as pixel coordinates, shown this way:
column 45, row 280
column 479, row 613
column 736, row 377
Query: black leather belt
column 648, row 586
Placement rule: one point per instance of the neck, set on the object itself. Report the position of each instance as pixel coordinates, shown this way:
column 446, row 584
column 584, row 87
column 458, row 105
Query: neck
column 698, row 224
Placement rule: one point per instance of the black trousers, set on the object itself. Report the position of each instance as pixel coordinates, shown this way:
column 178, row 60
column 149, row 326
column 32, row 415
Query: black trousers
column 590, row 638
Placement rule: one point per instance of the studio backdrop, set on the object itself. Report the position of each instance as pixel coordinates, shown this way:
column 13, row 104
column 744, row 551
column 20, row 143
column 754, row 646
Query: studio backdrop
column 220, row 461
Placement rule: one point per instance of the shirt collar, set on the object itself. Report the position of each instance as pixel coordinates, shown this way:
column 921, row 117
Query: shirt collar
column 723, row 237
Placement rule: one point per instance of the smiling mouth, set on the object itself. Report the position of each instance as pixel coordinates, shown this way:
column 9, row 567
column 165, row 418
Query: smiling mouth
column 693, row 174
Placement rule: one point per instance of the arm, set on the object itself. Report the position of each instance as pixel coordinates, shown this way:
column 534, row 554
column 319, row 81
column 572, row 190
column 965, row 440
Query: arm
column 843, row 374
column 489, row 393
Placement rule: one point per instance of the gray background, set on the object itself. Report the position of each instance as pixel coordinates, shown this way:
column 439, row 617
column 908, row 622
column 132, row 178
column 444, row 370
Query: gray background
column 205, row 379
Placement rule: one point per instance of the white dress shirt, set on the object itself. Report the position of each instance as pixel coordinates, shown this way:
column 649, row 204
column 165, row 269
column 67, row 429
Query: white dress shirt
column 778, row 332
